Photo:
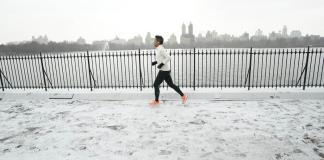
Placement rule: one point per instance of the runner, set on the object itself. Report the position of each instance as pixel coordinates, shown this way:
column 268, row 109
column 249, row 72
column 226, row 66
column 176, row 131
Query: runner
column 163, row 64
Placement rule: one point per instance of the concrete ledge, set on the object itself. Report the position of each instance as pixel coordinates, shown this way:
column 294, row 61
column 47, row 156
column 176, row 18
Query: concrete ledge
column 167, row 94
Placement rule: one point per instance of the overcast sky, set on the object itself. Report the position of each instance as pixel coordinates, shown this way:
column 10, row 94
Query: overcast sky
column 104, row 19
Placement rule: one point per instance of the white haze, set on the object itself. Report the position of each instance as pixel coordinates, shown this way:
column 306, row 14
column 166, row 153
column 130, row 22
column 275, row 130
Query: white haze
column 104, row 19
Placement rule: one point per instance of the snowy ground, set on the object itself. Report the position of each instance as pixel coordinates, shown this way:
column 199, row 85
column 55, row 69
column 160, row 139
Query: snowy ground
column 273, row 129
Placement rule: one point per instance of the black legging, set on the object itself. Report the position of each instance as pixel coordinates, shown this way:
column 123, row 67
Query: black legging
column 164, row 75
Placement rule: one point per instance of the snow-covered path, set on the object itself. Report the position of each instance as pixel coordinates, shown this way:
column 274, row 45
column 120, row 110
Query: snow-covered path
column 79, row 130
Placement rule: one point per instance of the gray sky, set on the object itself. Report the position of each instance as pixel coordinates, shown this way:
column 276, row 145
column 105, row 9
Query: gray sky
column 104, row 19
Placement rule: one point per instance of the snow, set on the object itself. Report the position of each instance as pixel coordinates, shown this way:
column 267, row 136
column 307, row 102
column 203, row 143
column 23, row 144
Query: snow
column 82, row 129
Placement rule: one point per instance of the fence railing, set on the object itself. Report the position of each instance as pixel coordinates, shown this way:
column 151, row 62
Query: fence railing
column 192, row 68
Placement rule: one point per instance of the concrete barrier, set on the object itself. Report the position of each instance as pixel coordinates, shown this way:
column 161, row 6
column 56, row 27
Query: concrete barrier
column 167, row 94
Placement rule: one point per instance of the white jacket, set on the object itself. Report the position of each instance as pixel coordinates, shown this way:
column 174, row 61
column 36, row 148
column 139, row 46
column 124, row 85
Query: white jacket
column 163, row 57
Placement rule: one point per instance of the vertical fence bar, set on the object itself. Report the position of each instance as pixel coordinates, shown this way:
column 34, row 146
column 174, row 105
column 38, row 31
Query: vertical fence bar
column 253, row 70
column 249, row 72
column 121, row 68
column 317, row 68
column 89, row 71
column 320, row 83
column 202, row 67
column 214, row 54
column 43, row 70
column 2, row 85
column 174, row 66
column 182, row 75
column 310, row 68
column 261, row 68
column 78, row 58
column 194, row 69
column 186, row 69
column 27, row 75
column 131, row 55
column 140, row 70
column 230, row 67
column 233, row 82
column 278, row 68
column 306, row 65
column 217, row 67
column 225, row 75
column 222, row 70
column 17, row 76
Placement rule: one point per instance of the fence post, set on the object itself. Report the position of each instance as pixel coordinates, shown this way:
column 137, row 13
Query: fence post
column 140, row 70
column 89, row 70
column 306, row 65
column 2, row 86
column 250, row 68
column 43, row 70
column 194, row 78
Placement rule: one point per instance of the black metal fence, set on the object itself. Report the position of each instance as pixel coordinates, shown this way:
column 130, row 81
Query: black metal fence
column 194, row 68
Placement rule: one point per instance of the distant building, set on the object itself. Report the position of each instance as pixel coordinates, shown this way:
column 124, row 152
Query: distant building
column 209, row 36
column 102, row 45
column 258, row 36
column 284, row 31
column 315, row 37
column 16, row 42
column 40, row 39
column 200, row 38
column 226, row 37
column 183, row 29
column 118, row 41
column 149, row 40
column 295, row 34
column 274, row 36
column 136, row 41
column 172, row 40
column 187, row 39
column 244, row 37
column 190, row 29
column 81, row 41
column 214, row 35
column 258, row 33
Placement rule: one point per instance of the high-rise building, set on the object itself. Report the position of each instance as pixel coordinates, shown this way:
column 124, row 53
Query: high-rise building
column 284, row 31
column 187, row 39
column 172, row 40
column 245, row 36
column 102, row 45
column 40, row 39
column 118, row 41
column 149, row 40
column 295, row 34
column 209, row 36
column 136, row 41
column 214, row 35
column 81, row 41
column 183, row 29
column 258, row 36
column 259, row 33
column 274, row 36
column 190, row 29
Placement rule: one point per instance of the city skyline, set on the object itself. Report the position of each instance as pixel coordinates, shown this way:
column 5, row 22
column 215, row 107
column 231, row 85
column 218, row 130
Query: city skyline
column 187, row 34
column 280, row 38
